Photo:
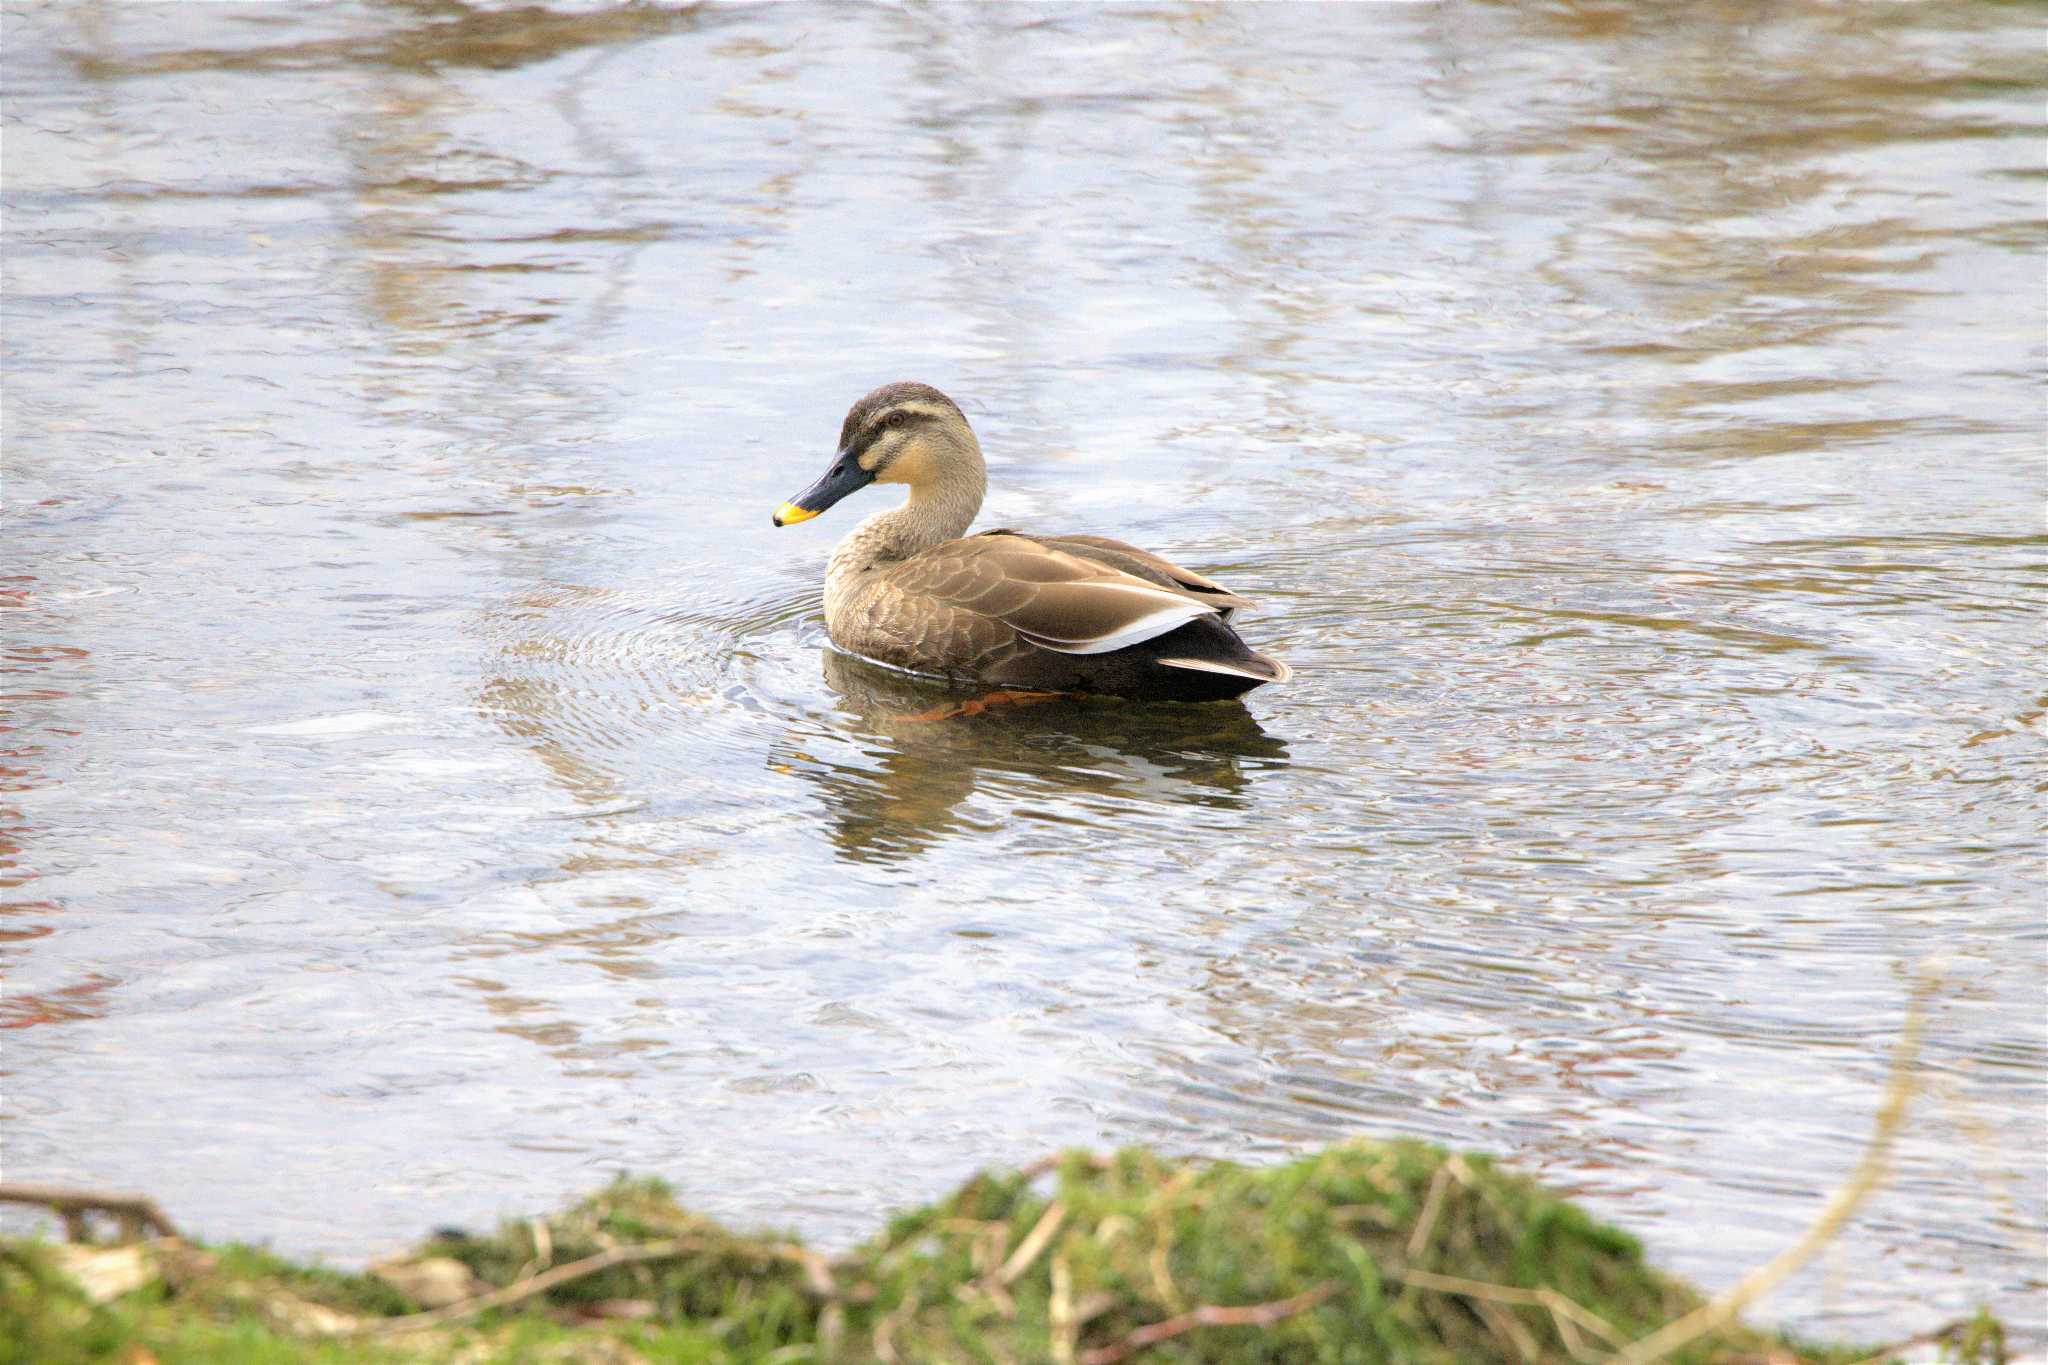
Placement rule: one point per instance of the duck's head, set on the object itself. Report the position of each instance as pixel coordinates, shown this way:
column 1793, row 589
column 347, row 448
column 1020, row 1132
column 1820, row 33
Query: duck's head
column 900, row 433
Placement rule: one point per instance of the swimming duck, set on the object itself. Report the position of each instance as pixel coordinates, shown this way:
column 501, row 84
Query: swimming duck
column 1069, row 613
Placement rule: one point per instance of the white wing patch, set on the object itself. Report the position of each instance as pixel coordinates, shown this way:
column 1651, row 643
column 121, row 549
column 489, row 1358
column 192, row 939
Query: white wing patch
column 1281, row 671
column 1171, row 610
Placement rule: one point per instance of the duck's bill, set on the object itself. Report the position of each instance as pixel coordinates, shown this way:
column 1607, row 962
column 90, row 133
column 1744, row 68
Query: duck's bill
column 845, row 476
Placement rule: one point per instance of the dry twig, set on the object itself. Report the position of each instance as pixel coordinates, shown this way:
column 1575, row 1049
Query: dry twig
column 1208, row 1315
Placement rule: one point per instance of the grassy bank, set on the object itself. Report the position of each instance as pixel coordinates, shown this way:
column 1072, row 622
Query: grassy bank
column 1365, row 1252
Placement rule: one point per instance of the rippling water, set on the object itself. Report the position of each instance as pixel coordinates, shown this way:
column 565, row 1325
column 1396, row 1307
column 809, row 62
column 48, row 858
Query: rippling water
column 435, row 790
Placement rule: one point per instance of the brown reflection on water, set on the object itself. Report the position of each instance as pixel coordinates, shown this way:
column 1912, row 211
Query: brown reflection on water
column 33, row 676
column 443, row 34
column 524, row 695
column 617, row 948
column 930, row 756
column 1733, row 210
column 86, row 999
column 474, row 346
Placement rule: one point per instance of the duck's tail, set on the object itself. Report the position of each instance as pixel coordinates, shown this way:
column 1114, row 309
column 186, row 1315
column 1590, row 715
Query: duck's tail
column 1260, row 668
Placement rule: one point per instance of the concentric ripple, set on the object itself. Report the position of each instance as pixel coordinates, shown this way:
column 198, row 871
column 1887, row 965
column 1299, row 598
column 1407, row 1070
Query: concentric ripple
column 622, row 689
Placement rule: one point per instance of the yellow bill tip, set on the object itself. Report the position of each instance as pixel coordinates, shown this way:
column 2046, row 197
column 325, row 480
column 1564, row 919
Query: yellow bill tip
column 789, row 514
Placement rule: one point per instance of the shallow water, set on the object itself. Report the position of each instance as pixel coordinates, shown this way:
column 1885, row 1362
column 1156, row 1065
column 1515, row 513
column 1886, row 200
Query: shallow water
column 435, row 791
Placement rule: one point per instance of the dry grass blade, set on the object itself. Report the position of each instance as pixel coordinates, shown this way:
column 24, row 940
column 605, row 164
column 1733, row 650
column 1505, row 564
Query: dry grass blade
column 1034, row 1242
column 1066, row 1326
column 817, row 1271
column 1509, row 1329
column 817, row 1278
column 1569, row 1315
column 525, row 1289
column 1432, row 1205
column 892, row 1322
column 1891, row 1115
column 1208, row 1315
column 1159, row 1263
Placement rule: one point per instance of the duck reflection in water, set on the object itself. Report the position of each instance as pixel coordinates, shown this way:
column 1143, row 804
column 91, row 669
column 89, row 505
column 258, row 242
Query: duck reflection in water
column 932, row 744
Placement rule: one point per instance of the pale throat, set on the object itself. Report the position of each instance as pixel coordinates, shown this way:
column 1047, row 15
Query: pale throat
column 935, row 513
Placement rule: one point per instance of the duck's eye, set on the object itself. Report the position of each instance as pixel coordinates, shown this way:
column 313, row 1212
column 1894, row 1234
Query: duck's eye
column 895, row 419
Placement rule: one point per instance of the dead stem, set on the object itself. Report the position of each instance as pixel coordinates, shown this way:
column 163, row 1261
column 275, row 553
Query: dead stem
column 1891, row 1115
column 1432, row 1204
column 1208, row 1315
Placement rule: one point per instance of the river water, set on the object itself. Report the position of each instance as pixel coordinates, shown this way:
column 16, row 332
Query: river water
column 435, row 791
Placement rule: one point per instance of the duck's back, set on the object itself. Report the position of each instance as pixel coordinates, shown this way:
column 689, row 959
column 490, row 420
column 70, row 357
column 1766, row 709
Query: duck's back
column 1053, row 613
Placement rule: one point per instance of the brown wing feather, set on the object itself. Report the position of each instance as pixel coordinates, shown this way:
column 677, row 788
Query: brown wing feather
column 1144, row 564
column 1060, row 600
column 912, row 630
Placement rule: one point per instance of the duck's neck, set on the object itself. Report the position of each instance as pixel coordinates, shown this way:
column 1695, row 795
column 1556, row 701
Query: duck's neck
column 936, row 512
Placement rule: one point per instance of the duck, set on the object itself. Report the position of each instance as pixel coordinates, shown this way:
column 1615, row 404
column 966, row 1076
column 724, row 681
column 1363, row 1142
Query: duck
column 908, row 587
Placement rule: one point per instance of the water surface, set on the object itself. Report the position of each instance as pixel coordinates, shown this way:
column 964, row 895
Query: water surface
column 435, row 791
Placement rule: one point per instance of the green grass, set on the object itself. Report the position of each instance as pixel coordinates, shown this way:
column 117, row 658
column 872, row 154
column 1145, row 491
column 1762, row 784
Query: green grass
column 1363, row 1253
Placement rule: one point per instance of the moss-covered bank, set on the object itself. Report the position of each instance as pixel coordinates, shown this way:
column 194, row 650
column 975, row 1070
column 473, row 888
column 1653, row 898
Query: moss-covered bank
column 1367, row 1252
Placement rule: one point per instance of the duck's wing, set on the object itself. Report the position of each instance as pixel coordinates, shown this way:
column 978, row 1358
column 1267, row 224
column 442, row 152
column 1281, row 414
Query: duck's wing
column 1072, row 603
column 1143, row 564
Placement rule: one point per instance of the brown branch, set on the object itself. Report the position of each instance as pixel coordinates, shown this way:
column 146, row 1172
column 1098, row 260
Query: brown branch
column 1208, row 1315
column 134, row 1210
